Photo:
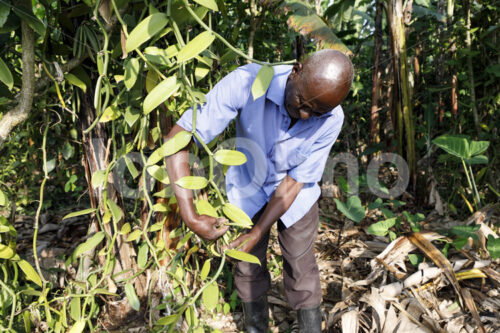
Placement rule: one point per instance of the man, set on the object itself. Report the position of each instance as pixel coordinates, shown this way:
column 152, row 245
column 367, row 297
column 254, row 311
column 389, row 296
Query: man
column 287, row 135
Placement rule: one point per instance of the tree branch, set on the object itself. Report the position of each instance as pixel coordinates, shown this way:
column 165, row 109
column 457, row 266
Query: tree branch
column 25, row 99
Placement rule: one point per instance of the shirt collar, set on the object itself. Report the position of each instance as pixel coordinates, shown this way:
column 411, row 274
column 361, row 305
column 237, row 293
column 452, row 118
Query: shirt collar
column 276, row 91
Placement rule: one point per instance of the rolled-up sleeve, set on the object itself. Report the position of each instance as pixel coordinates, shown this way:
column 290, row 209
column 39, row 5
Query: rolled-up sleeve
column 222, row 105
column 311, row 170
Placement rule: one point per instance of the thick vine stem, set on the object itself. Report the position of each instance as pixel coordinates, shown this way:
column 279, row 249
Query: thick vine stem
column 223, row 40
column 40, row 203
column 25, row 99
column 198, row 294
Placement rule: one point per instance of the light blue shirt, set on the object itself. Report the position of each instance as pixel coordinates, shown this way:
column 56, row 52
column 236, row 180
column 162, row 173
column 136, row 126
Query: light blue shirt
column 262, row 134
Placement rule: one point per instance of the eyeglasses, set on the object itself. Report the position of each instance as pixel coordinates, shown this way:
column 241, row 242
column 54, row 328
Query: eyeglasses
column 305, row 106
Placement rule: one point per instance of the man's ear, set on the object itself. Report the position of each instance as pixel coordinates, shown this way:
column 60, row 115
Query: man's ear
column 297, row 68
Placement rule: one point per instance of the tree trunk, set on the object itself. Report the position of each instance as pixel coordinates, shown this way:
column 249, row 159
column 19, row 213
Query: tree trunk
column 402, row 93
column 172, row 219
column 96, row 151
column 440, row 60
column 470, row 70
column 25, row 98
column 453, row 48
column 377, row 50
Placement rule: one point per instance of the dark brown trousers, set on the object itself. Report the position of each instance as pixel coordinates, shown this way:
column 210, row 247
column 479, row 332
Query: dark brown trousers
column 300, row 270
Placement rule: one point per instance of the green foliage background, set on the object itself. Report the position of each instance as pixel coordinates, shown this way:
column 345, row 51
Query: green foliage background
column 114, row 70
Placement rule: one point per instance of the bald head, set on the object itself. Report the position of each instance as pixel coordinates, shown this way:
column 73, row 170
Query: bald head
column 319, row 85
column 330, row 73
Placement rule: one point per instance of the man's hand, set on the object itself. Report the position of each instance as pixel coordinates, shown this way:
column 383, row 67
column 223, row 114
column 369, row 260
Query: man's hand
column 207, row 227
column 246, row 241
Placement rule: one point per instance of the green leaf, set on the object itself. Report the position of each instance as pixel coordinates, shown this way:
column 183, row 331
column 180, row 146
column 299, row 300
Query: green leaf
column 466, row 231
column 455, row 145
column 230, row 157
column 4, row 229
column 131, row 167
column 158, row 173
column 6, row 75
column 460, row 242
column 493, row 247
column 415, row 259
column 192, row 182
column 172, row 146
column 203, row 207
column 132, row 297
column 168, row 320
column 111, row 113
column 352, row 209
column 131, row 115
column 6, row 252
column 160, row 208
column 142, row 256
column 75, row 310
column 98, row 178
column 116, row 211
column 89, row 244
column 51, row 164
column 157, row 56
column 226, row 309
column 155, row 227
column 30, row 272
column 376, row 204
column 131, row 72
column 210, row 4
column 262, row 81
column 200, row 72
column 381, row 228
column 237, row 215
column 103, row 291
column 146, row 29
column 79, row 213
column 478, row 147
column 184, row 240
column 31, row 19
column 134, row 235
column 125, row 229
column 160, row 93
column 3, row 199
column 479, row 159
column 78, row 327
column 210, row 296
column 195, row 46
column 243, row 256
column 68, row 152
column 205, row 269
column 73, row 80
column 4, row 14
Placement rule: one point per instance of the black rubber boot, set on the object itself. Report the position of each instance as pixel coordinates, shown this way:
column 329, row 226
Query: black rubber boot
column 309, row 320
column 256, row 315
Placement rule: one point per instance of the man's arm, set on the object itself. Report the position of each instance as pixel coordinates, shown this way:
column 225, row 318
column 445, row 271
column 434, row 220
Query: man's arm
column 178, row 167
column 281, row 200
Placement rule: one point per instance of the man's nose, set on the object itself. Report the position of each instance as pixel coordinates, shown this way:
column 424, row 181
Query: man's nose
column 304, row 114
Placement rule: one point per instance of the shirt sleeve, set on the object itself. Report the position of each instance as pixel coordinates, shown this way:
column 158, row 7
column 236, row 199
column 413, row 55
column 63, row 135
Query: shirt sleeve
column 311, row 169
column 223, row 102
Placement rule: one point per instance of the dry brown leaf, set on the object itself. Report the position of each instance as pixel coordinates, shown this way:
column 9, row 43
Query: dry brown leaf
column 440, row 260
column 350, row 322
column 469, row 302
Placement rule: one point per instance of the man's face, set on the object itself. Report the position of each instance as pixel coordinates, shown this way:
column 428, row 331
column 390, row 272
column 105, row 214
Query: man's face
column 302, row 101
